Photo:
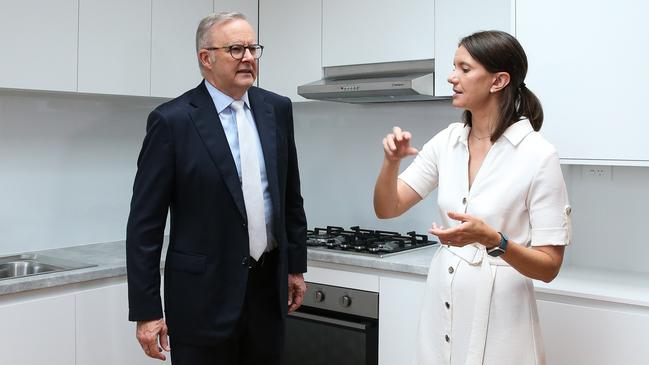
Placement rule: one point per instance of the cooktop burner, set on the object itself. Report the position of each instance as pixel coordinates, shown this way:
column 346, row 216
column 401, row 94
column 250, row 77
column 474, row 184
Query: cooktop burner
column 362, row 241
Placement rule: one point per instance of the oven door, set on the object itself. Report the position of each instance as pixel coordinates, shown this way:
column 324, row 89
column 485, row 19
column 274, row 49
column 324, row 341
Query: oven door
column 322, row 337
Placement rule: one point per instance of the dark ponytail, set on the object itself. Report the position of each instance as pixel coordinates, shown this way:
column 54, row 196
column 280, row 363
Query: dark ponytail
column 530, row 107
column 500, row 52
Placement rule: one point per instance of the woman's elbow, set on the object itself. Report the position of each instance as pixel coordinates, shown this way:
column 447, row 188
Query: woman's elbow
column 383, row 214
column 384, row 211
column 548, row 277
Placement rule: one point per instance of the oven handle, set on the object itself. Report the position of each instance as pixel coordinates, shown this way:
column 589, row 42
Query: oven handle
column 328, row 320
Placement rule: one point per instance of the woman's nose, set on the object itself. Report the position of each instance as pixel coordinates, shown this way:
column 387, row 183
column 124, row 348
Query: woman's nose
column 451, row 78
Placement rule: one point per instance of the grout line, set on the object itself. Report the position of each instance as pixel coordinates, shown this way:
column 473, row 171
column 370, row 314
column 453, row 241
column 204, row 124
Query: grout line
column 78, row 41
column 151, row 50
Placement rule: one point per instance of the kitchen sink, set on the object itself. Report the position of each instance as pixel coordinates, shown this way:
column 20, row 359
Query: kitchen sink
column 34, row 264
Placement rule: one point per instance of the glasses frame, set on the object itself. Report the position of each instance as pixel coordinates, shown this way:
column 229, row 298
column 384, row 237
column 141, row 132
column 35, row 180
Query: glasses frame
column 258, row 48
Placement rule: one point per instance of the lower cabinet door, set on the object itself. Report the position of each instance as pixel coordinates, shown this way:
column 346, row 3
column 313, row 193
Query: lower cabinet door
column 400, row 298
column 594, row 335
column 39, row 331
column 104, row 334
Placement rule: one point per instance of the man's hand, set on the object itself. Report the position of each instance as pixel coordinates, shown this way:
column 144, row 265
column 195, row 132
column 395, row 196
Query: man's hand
column 296, row 290
column 148, row 333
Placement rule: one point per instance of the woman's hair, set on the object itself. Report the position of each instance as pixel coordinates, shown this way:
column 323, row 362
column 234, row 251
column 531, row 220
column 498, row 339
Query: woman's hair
column 498, row 51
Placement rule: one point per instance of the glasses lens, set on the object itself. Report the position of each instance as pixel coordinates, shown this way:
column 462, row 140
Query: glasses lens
column 256, row 50
column 237, row 51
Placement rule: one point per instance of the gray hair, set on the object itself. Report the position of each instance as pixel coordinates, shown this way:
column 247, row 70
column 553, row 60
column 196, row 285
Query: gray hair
column 202, row 33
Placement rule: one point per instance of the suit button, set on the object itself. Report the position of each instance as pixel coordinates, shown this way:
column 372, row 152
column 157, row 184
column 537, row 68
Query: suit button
column 448, row 339
column 245, row 261
column 464, row 200
column 450, row 269
column 448, row 305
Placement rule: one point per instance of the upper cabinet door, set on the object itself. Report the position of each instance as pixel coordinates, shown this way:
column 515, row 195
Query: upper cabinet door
column 455, row 19
column 290, row 31
column 39, row 44
column 249, row 8
column 174, row 64
column 588, row 66
column 370, row 31
column 115, row 46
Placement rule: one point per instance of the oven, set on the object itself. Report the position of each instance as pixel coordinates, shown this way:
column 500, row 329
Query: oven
column 334, row 325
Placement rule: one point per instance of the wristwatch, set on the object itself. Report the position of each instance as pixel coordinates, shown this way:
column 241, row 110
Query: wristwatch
column 500, row 249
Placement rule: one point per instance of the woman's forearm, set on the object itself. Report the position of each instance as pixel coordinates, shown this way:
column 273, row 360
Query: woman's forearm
column 386, row 195
column 539, row 262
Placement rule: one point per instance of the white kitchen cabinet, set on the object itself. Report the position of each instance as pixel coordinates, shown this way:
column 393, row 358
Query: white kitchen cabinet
column 594, row 334
column 400, row 299
column 249, row 8
column 174, row 65
column 104, row 334
column 290, row 31
column 370, row 31
column 39, row 44
column 115, row 47
column 38, row 331
column 455, row 19
column 587, row 65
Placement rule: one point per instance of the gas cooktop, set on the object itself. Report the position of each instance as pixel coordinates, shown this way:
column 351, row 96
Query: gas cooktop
column 356, row 240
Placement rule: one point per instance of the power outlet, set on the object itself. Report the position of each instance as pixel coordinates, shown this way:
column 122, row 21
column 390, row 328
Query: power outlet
column 592, row 172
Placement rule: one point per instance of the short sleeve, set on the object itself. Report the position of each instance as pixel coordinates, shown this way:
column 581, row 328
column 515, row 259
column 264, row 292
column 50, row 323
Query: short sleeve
column 548, row 205
column 422, row 174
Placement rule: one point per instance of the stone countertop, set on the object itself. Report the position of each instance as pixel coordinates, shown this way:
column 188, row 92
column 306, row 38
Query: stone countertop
column 630, row 288
column 109, row 258
column 110, row 261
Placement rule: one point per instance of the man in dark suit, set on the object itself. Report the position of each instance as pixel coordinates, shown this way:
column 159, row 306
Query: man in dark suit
column 222, row 159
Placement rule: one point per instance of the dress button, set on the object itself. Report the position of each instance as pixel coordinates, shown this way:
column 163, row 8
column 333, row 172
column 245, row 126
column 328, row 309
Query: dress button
column 448, row 305
column 448, row 339
column 245, row 261
column 464, row 200
column 450, row 269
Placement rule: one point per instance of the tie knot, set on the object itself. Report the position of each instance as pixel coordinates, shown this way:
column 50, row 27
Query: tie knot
column 237, row 105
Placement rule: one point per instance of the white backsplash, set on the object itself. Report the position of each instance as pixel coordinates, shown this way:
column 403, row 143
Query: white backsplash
column 66, row 167
column 67, row 163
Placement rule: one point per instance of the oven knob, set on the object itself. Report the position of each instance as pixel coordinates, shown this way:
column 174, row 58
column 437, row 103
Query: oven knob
column 319, row 296
column 345, row 301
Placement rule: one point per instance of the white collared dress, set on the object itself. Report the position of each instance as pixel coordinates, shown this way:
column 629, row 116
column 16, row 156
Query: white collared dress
column 477, row 309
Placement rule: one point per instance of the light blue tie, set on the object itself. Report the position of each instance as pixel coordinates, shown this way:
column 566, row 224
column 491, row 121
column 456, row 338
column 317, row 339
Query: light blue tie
column 253, row 195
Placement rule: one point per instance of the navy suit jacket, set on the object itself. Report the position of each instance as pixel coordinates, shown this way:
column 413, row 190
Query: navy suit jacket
column 186, row 167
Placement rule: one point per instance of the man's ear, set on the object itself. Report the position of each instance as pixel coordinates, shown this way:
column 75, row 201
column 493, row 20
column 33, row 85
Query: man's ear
column 500, row 81
column 204, row 58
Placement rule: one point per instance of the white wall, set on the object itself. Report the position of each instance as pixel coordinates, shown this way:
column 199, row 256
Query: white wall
column 66, row 167
column 67, row 163
column 340, row 155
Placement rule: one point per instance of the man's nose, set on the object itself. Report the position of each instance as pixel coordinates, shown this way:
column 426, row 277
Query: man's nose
column 247, row 55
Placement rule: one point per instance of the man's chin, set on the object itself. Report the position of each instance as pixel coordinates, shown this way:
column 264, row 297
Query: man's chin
column 246, row 82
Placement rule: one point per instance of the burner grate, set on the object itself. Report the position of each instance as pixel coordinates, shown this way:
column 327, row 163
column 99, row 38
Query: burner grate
column 357, row 240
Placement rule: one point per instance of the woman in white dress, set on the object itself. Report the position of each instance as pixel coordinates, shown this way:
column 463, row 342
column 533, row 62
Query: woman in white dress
column 504, row 208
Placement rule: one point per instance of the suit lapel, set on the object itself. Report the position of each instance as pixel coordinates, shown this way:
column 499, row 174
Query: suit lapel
column 209, row 127
column 266, row 122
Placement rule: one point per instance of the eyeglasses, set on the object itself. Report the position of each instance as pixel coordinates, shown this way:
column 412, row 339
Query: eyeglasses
column 237, row 51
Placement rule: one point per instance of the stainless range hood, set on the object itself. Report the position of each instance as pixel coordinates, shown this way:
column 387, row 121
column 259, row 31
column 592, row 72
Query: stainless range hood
column 375, row 83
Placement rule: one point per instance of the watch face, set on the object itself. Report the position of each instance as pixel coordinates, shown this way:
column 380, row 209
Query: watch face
column 496, row 251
